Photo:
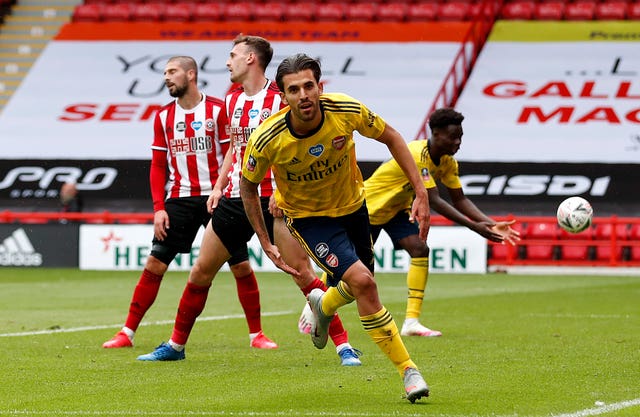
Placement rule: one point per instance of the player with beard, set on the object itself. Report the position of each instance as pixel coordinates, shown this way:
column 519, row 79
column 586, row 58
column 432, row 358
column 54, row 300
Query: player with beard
column 189, row 145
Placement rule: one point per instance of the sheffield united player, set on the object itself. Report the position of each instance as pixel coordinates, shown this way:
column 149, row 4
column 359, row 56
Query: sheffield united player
column 189, row 144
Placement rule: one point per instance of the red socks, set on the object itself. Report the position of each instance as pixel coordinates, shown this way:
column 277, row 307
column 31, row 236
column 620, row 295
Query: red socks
column 249, row 296
column 191, row 305
column 143, row 297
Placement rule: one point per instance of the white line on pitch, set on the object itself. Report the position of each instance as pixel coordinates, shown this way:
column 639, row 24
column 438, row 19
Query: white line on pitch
column 111, row 326
column 607, row 408
column 581, row 316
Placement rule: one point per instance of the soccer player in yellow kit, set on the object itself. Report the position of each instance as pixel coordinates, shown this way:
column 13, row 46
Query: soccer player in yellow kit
column 309, row 148
column 389, row 197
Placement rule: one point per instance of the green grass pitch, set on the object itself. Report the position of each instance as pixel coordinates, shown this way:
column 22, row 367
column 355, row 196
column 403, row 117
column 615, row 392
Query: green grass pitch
column 512, row 346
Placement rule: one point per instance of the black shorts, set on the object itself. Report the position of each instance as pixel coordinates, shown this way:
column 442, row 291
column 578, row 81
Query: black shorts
column 231, row 224
column 335, row 243
column 186, row 216
column 397, row 228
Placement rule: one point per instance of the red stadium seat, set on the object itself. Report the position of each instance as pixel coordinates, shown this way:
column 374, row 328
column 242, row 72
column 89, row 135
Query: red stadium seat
column 238, row 11
column 633, row 12
column 330, row 11
column 603, row 232
column 489, row 8
column 391, row 12
column 270, row 11
column 518, row 10
column 361, row 12
column 549, row 10
column 299, row 11
column 538, row 231
column 634, row 234
column 454, row 10
column 117, row 12
column 207, row 12
column 422, row 12
column 87, row 13
column 577, row 251
column 584, row 10
column 179, row 12
column 147, row 12
column 611, row 10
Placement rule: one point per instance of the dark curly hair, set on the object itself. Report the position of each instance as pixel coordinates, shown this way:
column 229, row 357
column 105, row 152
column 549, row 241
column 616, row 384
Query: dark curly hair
column 444, row 117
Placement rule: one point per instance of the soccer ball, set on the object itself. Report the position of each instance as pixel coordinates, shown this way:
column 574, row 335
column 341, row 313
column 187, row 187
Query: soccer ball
column 575, row 214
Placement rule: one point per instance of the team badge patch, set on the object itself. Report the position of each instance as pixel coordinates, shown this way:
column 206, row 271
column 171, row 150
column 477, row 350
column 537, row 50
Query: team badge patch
column 251, row 163
column 316, row 150
column 338, row 143
column 209, row 125
column 321, row 250
column 425, row 174
column 332, row 260
column 265, row 114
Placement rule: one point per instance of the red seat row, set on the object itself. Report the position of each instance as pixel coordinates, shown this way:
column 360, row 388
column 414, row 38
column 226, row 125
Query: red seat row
column 276, row 11
column 595, row 243
column 347, row 2
column 578, row 10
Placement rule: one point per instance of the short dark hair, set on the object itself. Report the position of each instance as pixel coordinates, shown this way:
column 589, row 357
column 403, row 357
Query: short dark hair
column 187, row 63
column 259, row 46
column 296, row 63
column 444, row 117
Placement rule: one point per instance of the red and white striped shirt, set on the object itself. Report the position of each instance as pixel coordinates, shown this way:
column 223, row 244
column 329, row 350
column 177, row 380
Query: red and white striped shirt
column 190, row 145
column 245, row 114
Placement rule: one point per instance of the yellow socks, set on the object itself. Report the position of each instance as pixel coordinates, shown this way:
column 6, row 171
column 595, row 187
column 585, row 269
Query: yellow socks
column 416, row 284
column 336, row 297
column 383, row 331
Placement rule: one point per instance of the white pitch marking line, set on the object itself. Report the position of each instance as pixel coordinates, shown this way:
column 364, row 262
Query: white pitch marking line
column 602, row 409
column 111, row 326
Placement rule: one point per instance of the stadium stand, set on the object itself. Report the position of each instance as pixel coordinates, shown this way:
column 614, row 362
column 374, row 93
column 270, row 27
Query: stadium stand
column 27, row 26
column 351, row 10
column 543, row 242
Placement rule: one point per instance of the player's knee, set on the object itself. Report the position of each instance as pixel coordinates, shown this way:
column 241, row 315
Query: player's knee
column 241, row 269
column 163, row 254
column 201, row 274
column 418, row 251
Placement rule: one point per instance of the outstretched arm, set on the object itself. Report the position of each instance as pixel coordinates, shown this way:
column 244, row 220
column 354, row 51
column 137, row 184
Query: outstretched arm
column 253, row 209
column 466, row 213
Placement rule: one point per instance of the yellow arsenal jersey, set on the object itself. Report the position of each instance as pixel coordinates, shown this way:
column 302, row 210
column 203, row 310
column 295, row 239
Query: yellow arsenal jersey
column 388, row 190
column 316, row 174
